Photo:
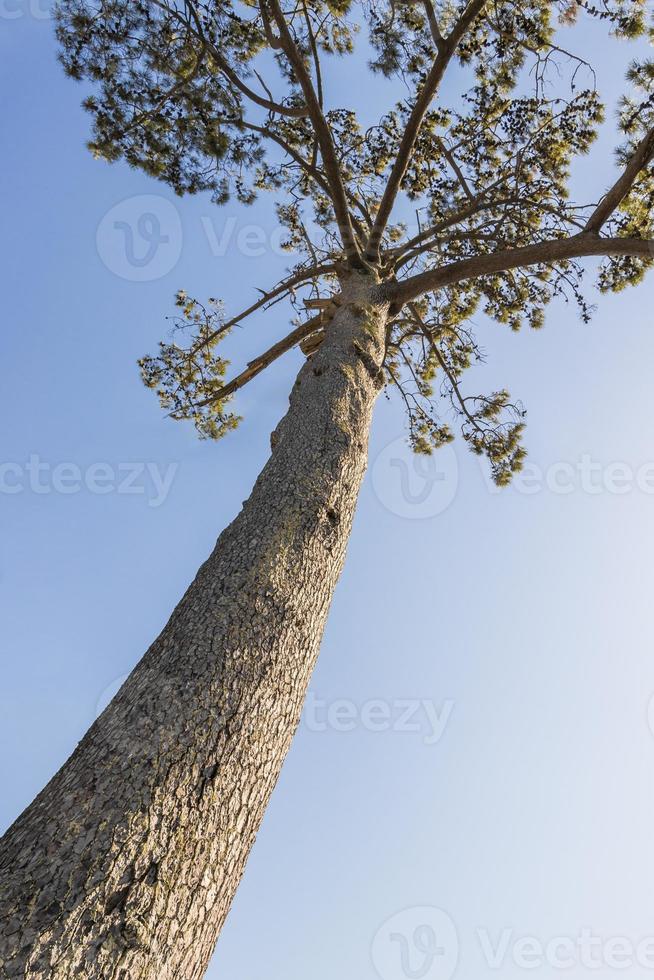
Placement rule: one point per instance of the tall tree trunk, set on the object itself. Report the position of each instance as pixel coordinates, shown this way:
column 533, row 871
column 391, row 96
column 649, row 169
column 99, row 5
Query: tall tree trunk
column 124, row 867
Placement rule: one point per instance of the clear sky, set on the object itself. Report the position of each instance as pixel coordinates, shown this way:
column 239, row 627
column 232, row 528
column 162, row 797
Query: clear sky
column 477, row 739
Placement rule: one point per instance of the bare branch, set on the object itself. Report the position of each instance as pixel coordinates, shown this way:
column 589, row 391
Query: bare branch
column 439, row 40
column 284, row 287
column 259, row 364
column 451, row 219
column 420, row 323
column 460, row 176
column 273, row 41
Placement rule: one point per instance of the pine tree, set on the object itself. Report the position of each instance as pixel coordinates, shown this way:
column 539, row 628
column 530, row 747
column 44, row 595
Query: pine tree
column 126, row 864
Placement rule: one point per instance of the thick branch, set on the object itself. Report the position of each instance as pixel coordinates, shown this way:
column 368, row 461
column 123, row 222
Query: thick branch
column 543, row 253
column 414, row 124
column 323, row 133
column 640, row 158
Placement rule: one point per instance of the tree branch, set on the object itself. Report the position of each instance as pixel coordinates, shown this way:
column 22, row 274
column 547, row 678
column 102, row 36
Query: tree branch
column 454, row 384
column 309, row 168
column 414, row 123
column 460, row 176
column 294, row 112
column 280, row 290
column 259, row 364
column 431, row 238
column 642, row 155
column 438, row 38
column 543, row 253
column 323, row 133
column 451, row 219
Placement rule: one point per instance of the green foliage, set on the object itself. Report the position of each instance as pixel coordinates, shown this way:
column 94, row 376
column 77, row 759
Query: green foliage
column 187, row 378
column 210, row 97
column 634, row 217
column 433, row 344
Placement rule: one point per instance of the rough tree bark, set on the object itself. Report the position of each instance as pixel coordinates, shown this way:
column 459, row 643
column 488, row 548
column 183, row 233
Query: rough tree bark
column 124, row 867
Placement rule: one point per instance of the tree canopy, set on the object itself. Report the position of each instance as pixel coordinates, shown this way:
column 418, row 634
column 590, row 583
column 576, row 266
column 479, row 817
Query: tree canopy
column 233, row 99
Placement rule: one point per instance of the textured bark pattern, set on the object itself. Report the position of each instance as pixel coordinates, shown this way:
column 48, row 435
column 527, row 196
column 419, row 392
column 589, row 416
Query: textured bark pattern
column 125, row 866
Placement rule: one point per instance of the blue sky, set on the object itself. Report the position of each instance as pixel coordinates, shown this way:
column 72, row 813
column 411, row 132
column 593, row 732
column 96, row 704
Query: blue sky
column 478, row 739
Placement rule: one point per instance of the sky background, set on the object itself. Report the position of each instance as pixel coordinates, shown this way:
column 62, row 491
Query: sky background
column 514, row 626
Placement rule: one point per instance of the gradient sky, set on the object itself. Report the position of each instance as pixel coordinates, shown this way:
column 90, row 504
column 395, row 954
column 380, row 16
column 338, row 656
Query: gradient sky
column 516, row 624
